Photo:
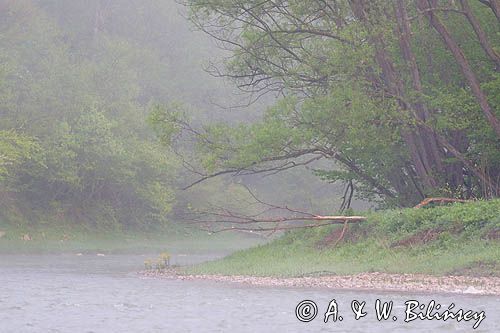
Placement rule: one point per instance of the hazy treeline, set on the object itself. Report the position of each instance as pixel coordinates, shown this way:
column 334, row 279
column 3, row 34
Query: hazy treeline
column 78, row 80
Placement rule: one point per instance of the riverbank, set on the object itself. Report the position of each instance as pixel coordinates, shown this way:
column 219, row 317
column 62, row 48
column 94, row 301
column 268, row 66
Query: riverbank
column 418, row 283
column 462, row 239
column 450, row 249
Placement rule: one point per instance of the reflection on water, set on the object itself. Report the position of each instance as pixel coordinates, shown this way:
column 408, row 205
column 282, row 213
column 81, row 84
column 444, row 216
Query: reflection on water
column 88, row 293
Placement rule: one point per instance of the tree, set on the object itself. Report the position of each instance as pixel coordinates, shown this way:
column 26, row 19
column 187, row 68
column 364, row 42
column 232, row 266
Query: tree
column 370, row 85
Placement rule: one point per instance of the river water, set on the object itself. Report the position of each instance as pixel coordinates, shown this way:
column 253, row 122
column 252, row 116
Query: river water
column 89, row 293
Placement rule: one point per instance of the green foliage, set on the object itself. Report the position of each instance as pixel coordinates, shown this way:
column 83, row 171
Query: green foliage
column 74, row 144
column 166, row 122
column 15, row 149
column 459, row 248
column 471, row 217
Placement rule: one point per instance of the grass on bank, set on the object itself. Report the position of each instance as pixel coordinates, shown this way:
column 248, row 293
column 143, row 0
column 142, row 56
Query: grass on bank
column 460, row 239
column 45, row 239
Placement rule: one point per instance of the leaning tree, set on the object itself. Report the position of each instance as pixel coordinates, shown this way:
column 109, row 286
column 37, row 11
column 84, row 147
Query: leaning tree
column 401, row 95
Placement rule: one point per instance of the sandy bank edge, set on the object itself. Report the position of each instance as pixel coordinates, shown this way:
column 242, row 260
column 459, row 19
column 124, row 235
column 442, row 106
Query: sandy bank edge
column 364, row 281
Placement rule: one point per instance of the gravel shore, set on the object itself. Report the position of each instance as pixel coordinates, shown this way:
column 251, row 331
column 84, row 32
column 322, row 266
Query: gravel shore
column 363, row 281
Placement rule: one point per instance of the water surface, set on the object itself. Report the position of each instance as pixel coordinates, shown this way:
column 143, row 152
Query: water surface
column 89, row 293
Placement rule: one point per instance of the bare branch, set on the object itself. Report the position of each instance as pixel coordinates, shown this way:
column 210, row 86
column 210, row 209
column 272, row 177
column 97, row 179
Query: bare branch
column 257, row 229
column 259, row 222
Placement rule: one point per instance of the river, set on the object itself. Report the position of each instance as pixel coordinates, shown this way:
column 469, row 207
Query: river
column 90, row 293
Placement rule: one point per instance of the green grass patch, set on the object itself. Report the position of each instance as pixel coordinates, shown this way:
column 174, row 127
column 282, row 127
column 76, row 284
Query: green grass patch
column 455, row 239
column 73, row 239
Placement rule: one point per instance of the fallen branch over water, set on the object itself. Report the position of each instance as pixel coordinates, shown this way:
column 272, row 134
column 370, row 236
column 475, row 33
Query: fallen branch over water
column 221, row 219
column 290, row 227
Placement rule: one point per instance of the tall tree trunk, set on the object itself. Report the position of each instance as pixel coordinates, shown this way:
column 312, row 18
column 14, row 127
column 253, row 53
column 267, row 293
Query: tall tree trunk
column 413, row 139
column 426, row 6
column 431, row 146
column 481, row 35
column 487, row 181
